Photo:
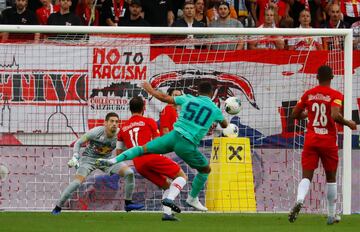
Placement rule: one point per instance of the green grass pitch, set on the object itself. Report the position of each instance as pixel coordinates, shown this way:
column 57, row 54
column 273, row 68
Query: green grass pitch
column 128, row 222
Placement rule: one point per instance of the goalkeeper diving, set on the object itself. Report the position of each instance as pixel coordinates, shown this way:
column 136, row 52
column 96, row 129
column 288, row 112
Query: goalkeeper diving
column 197, row 115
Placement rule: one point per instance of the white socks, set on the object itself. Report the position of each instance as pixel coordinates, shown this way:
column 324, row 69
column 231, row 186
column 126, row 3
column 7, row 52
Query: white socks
column 174, row 190
column 175, row 187
column 167, row 209
column 331, row 197
column 303, row 189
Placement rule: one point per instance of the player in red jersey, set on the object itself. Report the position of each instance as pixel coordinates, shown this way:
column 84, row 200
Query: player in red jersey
column 169, row 115
column 139, row 130
column 322, row 105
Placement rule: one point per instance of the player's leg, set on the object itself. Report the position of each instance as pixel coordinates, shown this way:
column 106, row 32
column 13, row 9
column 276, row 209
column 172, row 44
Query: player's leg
column 178, row 183
column 158, row 169
column 189, row 152
column 331, row 187
column 330, row 160
column 196, row 186
column 146, row 169
column 170, row 169
column 165, row 166
column 160, row 145
column 127, row 173
column 85, row 168
column 309, row 162
column 304, row 185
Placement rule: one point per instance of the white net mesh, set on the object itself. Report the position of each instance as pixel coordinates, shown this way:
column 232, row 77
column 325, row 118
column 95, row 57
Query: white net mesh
column 53, row 91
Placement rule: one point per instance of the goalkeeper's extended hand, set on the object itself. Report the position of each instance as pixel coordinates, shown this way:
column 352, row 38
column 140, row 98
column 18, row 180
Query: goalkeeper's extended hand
column 74, row 161
column 104, row 162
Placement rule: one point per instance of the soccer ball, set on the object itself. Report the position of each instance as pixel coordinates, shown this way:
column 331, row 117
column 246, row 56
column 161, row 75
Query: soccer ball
column 232, row 105
column 231, row 131
column 4, row 171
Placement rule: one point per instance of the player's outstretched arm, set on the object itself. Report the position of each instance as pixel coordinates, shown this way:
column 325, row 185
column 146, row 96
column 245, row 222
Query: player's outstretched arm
column 157, row 94
column 337, row 116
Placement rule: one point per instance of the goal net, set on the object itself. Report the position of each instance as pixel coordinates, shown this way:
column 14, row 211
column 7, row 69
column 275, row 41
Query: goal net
column 54, row 90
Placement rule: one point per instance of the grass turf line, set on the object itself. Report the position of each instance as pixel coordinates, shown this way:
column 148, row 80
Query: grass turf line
column 129, row 222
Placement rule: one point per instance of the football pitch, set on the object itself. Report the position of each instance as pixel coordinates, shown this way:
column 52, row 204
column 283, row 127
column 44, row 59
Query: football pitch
column 128, row 222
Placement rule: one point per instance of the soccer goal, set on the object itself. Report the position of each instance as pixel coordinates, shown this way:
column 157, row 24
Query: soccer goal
column 55, row 88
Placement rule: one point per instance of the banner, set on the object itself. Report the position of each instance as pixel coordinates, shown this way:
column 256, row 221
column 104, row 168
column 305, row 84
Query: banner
column 116, row 70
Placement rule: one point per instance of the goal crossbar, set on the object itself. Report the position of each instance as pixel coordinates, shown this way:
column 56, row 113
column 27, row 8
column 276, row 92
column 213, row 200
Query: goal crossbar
column 174, row 30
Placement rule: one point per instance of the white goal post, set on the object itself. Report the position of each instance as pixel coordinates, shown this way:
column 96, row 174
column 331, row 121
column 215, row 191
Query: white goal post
column 348, row 59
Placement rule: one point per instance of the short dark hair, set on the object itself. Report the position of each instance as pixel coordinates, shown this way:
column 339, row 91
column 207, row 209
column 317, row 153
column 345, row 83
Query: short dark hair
column 137, row 104
column 171, row 90
column 111, row 114
column 324, row 73
column 187, row 2
column 205, row 88
column 135, row 2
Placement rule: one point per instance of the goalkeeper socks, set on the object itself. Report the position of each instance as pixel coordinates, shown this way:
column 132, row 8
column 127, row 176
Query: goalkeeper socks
column 129, row 183
column 198, row 184
column 303, row 189
column 176, row 186
column 331, row 198
column 69, row 190
column 166, row 209
column 129, row 154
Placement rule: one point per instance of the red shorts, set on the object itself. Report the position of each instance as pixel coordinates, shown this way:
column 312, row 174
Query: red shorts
column 328, row 155
column 156, row 168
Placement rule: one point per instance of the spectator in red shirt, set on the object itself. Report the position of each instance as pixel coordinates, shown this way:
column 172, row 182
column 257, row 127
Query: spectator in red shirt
column 350, row 10
column 169, row 115
column 279, row 6
column 44, row 12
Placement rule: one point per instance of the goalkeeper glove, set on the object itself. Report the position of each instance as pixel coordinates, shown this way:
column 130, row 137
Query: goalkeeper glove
column 74, row 161
column 104, row 162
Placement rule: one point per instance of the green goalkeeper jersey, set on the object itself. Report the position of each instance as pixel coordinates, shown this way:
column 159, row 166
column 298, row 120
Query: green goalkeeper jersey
column 196, row 116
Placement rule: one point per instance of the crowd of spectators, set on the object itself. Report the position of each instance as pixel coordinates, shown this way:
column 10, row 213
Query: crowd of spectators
column 197, row 13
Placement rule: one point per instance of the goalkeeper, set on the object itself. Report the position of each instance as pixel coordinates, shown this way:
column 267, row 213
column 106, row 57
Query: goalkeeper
column 102, row 141
column 197, row 115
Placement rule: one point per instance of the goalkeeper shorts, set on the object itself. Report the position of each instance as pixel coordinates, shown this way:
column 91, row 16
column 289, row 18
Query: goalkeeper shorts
column 87, row 165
